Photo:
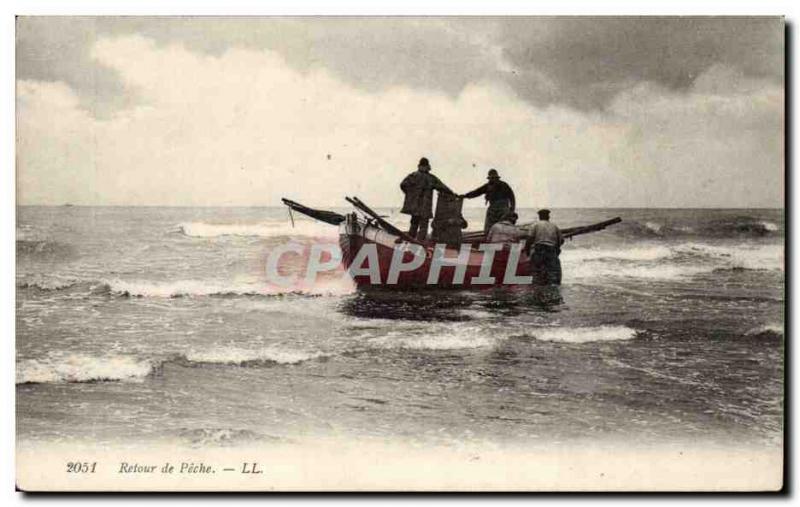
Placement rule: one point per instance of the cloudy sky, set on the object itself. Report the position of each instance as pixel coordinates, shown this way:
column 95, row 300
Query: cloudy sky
column 610, row 112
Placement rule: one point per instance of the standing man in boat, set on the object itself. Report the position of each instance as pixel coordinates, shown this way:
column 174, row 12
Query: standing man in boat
column 418, row 188
column 545, row 244
column 499, row 196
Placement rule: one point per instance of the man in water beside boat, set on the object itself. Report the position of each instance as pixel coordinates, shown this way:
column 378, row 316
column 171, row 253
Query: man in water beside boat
column 418, row 188
column 499, row 196
column 545, row 242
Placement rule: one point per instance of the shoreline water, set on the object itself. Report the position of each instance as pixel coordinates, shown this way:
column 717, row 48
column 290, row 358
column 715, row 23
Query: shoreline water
column 138, row 325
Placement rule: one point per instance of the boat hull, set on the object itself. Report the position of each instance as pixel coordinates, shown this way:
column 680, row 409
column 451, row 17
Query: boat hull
column 481, row 269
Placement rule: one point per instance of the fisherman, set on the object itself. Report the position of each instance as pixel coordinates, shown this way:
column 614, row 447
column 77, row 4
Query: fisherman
column 499, row 196
column 418, row 188
column 545, row 244
column 504, row 231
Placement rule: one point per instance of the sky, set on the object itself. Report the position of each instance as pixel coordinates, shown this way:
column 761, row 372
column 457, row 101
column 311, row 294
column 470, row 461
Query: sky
column 573, row 112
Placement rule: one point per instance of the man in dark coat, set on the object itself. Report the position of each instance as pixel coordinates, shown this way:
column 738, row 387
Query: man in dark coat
column 545, row 243
column 418, row 188
column 499, row 196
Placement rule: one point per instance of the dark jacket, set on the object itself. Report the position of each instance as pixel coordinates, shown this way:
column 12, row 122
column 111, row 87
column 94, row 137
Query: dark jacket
column 418, row 187
column 495, row 191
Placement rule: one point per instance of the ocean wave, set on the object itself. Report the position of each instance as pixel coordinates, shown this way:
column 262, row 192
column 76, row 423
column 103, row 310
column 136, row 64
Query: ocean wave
column 461, row 338
column 183, row 288
column 595, row 270
column 83, row 368
column 244, row 357
column 732, row 227
column 192, row 288
column 51, row 283
column 584, row 334
column 636, row 253
column 266, row 229
column 72, row 368
column 753, row 257
column 660, row 262
column 766, row 331
column 222, row 437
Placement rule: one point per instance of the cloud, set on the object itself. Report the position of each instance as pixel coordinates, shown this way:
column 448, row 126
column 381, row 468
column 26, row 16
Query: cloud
column 246, row 127
column 579, row 62
column 589, row 60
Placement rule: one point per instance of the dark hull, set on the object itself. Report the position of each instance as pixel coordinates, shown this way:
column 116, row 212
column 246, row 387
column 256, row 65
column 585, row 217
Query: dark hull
column 354, row 235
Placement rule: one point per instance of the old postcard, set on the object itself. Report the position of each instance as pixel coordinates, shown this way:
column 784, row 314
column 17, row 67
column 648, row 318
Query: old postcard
column 400, row 253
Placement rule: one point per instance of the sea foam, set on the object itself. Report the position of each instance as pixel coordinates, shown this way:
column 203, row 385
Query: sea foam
column 63, row 368
column 234, row 355
column 266, row 229
column 584, row 334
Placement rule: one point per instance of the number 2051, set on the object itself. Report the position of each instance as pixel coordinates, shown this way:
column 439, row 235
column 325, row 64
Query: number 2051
column 78, row 467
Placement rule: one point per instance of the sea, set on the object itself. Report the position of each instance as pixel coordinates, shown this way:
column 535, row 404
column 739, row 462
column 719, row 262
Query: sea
column 152, row 325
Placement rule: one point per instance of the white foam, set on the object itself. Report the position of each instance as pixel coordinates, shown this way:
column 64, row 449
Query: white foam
column 234, row 355
column 657, row 262
column 463, row 338
column 767, row 328
column 654, row 227
column 146, row 288
column 641, row 253
column 593, row 270
column 265, row 229
column 82, row 368
column 769, row 226
column 584, row 334
column 743, row 256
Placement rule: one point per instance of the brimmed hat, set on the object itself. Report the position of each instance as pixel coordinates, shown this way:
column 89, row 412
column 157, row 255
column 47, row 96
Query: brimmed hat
column 492, row 174
column 423, row 162
column 543, row 213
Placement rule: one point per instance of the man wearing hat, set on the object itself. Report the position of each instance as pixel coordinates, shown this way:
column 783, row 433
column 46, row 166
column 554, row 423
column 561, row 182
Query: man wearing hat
column 499, row 196
column 418, row 188
column 545, row 247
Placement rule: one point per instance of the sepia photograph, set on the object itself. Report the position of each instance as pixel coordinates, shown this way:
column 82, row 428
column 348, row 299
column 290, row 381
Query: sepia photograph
column 409, row 253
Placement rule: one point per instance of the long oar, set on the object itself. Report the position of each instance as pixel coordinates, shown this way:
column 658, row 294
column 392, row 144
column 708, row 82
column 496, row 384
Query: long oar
column 355, row 201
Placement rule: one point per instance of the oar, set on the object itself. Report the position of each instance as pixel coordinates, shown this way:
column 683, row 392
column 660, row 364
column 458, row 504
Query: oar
column 355, row 201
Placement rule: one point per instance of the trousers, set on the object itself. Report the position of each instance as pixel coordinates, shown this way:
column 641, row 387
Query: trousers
column 545, row 265
column 419, row 227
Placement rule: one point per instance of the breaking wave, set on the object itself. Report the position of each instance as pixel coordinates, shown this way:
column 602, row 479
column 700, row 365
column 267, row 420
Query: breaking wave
column 660, row 262
column 265, row 230
column 584, row 334
column 82, row 368
column 185, row 288
column 591, row 270
column 733, row 227
column 640, row 253
column 768, row 331
column 452, row 341
column 244, row 357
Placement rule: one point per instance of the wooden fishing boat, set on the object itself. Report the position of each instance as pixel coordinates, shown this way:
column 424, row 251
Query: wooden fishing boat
column 376, row 253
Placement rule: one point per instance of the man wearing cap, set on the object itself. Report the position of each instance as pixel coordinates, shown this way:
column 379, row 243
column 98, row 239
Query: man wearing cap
column 418, row 188
column 504, row 231
column 545, row 247
column 499, row 196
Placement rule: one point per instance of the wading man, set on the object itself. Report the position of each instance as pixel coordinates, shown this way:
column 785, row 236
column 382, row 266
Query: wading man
column 499, row 196
column 418, row 188
column 545, row 244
